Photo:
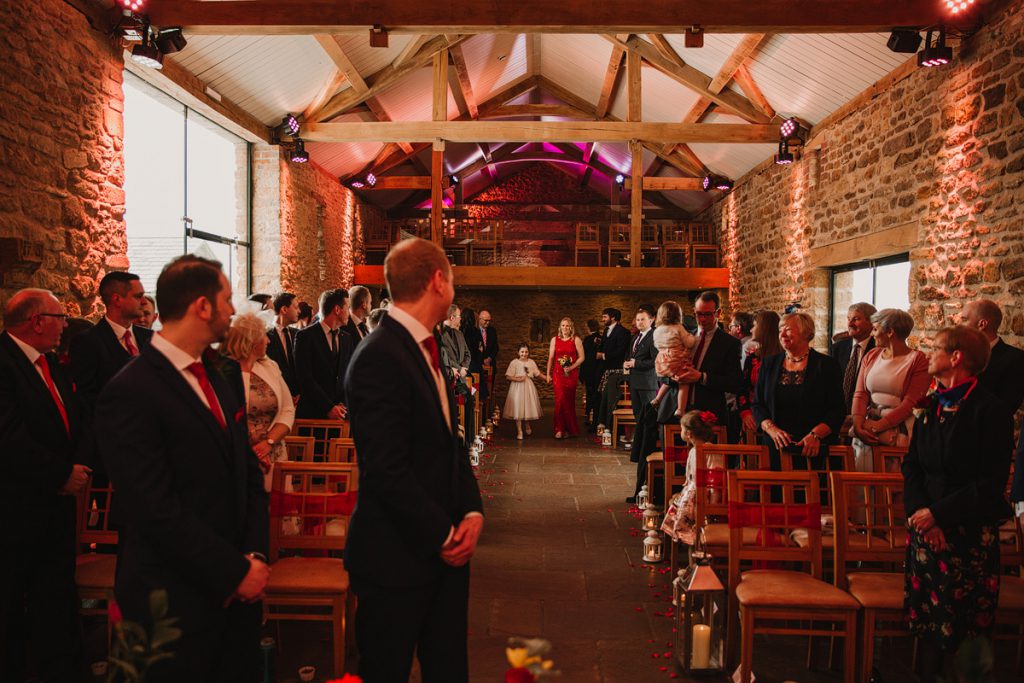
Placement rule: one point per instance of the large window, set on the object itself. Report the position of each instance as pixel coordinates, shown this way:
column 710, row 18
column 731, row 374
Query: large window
column 884, row 284
column 186, row 187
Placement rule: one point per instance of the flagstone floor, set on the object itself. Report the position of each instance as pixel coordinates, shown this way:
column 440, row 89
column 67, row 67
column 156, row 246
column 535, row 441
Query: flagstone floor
column 560, row 558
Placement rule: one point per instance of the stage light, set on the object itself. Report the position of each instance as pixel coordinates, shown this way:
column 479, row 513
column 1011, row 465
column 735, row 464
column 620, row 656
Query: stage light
column 146, row 53
column 938, row 54
column 716, row 182
column 453, row 180
column 904, row 40
column 620, row 180
column 289, row 126
column 371, row 179
column 132, row 5
column 789, row 126
column 357, row 184
column 957, row 6
column 299, row 155
column 171, row 40
column 784, row 157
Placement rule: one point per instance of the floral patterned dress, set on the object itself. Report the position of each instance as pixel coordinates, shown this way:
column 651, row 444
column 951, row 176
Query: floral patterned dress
column 261, row 411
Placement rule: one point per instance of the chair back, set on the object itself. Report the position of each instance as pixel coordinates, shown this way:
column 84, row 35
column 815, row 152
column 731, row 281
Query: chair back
column 774, row 505
column 870, row 525
column 310, row 506
column 618, row 233
column 839, row 459
column 322, row 432
column 300, row 448
column 650, row 234
column 844, row 431
column 712, row 495
column 721, row 434
column 93, row 514
column 588, row 233
column 701, row 233
column 342, row 450
column 674, row 453
column 676, row 234
column 888, row 459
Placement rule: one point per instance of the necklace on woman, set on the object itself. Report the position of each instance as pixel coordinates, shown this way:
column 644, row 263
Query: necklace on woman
column 796, row 359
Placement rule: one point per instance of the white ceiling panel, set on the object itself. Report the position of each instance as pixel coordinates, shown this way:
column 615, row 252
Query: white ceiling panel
column 494, row 61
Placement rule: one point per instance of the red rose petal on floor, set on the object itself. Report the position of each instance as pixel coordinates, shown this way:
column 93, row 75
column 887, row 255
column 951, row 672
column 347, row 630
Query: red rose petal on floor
column 655, row 655
column 667, row 655
column 662, row 668
column 650, row 640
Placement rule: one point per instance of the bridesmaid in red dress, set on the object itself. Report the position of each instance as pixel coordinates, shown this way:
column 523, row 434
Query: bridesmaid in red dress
column 565, row 355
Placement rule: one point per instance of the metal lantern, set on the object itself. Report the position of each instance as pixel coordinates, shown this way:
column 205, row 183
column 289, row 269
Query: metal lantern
column 643, row 497
column 700, row 619
column 474, row 456
column 478, row 443
column 652, row 518
column 489, row 428
column 606, row 437
column 483, row 432
column 652, row 547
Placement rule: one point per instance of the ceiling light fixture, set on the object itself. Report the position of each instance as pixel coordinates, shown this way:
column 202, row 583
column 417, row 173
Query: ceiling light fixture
column 299, row 155
column 453, row 180
column 357, row 184
column 938, row 54
column 289, row 125
column 132, row 5
column 906, row 40
column 957, row 6
column 171, row 40
column 620, row 180
column 784, row 157
column 371, row 179
column 146, row 53
column 716, row 182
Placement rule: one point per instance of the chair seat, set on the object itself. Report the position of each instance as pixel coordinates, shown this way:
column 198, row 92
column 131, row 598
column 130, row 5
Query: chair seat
column 1011, row 593
column 95, row 570
column 878, row 590
column 656, row 457
column 308, row 575
column 718, row 535
column 623, row 412
column 828, row 542
column 776, row 588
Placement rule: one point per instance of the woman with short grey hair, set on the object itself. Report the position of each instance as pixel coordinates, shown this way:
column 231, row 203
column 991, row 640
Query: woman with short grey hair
column 892, row 379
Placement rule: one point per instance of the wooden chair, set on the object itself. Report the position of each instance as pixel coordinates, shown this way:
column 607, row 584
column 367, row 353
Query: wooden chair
column 888, row 459
column 775, row 601
column 622, row 416
column 310, row 507
column 676, row 243
column 877, row 583
column 376, row 235
column 300, row 448
column 588, row 241
column 618, row 242
column 485, row 248
column 650, row 245
column 322, row 432
column 342, row 450
column 711, row 499
column 458, row 237
column 94, row 571
column 844, row 431
column 839, row 459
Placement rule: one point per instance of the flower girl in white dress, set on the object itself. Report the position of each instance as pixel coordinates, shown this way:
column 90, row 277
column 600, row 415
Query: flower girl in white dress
column 522, row 403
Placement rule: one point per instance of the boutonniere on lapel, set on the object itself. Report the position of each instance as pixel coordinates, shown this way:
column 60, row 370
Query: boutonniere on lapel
column 240, row 415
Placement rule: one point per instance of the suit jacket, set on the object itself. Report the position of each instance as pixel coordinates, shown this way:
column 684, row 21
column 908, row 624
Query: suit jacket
column 490, row 349
column 37, row 452
column 842, row 350
column 821, row 396
column 190, row 495
column 276, row 353
column 642, row 376
column 722, row 365
column 353, row 331
column 1004, row 375
column 97, row 355
column 958, row 469
column 592, row 343
column 454, row 349
column 415, row 480
column 616, row 347
column 320, row 377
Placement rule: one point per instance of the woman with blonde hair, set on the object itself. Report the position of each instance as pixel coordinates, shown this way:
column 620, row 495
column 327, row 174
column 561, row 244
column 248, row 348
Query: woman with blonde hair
column 269, row 405
column 566, row 353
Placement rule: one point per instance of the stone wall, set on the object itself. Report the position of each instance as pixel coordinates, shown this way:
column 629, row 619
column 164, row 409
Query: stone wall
column 61, row 162
column 941, row 151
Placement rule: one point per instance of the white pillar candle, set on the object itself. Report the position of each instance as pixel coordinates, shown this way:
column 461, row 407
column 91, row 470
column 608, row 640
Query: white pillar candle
column 701, row 647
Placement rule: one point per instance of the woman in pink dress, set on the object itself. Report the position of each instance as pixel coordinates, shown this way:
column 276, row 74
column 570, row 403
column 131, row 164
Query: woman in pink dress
column 565, row 355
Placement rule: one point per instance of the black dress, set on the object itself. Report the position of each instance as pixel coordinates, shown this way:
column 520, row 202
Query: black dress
column 957, row 465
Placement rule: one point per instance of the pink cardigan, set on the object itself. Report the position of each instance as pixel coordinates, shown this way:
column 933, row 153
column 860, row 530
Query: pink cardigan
column 916, row 385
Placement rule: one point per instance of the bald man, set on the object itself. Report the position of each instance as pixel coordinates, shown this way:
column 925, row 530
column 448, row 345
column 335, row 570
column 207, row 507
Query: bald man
column 42, row 455
column 1004, row 375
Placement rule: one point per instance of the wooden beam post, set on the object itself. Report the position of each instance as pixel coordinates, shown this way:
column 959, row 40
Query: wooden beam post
column 636, row 217
column 635, row 110
column 441, row 85
column 436, row 191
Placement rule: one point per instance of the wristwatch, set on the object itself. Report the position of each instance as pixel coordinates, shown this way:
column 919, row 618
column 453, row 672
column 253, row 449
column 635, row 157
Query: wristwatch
column 270, row 441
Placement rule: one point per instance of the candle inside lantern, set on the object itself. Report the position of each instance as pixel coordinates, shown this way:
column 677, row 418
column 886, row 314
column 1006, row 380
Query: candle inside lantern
column 701, row 658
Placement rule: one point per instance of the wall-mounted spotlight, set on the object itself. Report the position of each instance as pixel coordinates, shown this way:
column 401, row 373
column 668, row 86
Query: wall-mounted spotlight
column 453, row 180
column 906, row 40
column 289, row 126
column 937, row 54
column 784, row 157
column 371, row 179
column 620, row 180
column 957, row 6
column 792, row 131
column 357, row 185
column 146, row 53
column 716, row 182
column 132, row 5
column 171, row 40
column 299, row 155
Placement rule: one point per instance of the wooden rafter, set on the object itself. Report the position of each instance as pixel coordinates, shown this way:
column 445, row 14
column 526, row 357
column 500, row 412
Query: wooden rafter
column 611, row 75
column 440, row 88
column 332, row 46
column 412, row 47
column 665, row 48
column 543, row 16
column 564, row 110
column 635, row 92
column 532, row 54
column 750, row 89
column 667, row 184
column 465, row 85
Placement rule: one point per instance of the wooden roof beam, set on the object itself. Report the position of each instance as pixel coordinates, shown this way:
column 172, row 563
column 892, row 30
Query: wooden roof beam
column 752, row 91
column 465, row 85
column 611, row 75
column 272, row 17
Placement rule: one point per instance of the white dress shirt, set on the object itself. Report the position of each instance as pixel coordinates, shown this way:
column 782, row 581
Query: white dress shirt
column 181, row 360
column 119, row 331
column 32, row 354
column 419, row 333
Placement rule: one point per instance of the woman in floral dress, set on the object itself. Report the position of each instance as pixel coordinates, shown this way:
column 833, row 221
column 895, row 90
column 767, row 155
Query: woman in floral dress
column 955, row 474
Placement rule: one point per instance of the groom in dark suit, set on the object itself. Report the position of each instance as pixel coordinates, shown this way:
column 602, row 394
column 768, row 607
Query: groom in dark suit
column 419, row 514
column 322, row 353
column 44, row 458
column 194, row 512
column 281, row 338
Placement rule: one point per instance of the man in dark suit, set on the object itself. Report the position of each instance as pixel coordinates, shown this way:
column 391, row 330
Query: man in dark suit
column 716, row 361
column 489, row 343
column 457, row 359
column 643, row 383
column 850, row 351
column 100, row 352
column 43, row 456
column 419, row 513
column 194, row 511
column 322, row 353
column 616, row 341
column 588, row 371
column 360, row 304
column 281, row 338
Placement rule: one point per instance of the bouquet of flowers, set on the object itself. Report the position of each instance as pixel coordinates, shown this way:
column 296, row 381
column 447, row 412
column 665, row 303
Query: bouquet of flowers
column 565, row 362
column 526, row 657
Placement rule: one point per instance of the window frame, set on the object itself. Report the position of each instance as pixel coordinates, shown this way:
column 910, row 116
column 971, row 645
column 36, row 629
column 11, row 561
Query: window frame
column 874, row 265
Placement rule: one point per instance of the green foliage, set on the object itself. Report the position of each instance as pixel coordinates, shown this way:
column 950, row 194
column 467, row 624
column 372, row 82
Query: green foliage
column 135, row 649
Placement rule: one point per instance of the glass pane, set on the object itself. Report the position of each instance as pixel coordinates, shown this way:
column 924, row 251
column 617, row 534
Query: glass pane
column 235, row 262
column 849, row 287
column 154, row 143
column 217, row 179
column 892, row 286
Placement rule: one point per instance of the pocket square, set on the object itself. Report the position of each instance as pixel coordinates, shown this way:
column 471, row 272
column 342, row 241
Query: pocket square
column 240, row 415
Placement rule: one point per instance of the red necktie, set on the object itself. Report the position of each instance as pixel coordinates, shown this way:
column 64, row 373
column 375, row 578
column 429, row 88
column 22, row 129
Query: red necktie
column 199, row 371
column 128, row 345
column 430, row 344
column 697, row 351
column 45, row 367
column 483, row 331
column 636, row 344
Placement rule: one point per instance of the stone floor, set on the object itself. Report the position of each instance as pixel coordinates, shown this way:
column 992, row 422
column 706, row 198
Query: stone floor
column 560, row 558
